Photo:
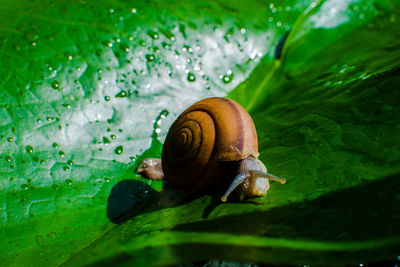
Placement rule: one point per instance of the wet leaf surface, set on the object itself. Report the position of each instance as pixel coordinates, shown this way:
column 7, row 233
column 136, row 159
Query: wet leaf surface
column 89, row 89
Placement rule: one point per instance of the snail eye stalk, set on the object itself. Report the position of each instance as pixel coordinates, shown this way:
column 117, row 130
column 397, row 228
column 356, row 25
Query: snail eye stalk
column 236, row 182
column 271, row 177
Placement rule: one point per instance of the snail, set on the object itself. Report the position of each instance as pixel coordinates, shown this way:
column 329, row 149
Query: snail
column 212, row 144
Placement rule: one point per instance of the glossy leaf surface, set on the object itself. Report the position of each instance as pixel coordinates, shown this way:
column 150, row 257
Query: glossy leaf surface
column 88, row 89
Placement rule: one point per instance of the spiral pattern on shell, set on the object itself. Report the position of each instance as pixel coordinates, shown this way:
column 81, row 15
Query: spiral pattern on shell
column 211, row 130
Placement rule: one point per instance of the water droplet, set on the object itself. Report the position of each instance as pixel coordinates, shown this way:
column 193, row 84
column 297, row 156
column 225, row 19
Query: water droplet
column 121, row 94
column 164, row 113
column 106, row 140
column 67, row 169
column 61, row 153
column 70, row 162
column 69, row 182
column 31, row 35
column 165, row 45
column 118, row 150
column 68, row 106
column 227, row 78
column 113, row 136
column 39, row 239
column 142, row 43
column 55, row 145
column 124, row 47
column 42, row 162
column 107, row 98
column 150, row 57
column 68, row 55
column 29, row 149
column 24, row 186
column 107, row 180
column 10, row 139
column 51, row 234
column 55, row 84
column 190, row 77
column 8, row 158
column 153, row 35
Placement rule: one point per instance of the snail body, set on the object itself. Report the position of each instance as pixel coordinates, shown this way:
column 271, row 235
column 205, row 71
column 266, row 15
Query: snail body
column 213, row 143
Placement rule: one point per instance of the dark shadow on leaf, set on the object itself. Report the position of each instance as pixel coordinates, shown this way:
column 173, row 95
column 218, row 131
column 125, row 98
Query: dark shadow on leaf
column 368, row 212
column 130, row 198
column 216, row 201
column 125, row 196
column 279, row 47
column 365, row 212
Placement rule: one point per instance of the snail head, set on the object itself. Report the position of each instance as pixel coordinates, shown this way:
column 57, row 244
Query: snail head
column 252, row 179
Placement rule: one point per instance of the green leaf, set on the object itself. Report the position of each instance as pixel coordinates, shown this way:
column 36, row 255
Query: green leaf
column 84, row 87
column 339, row 206
column 89, row 89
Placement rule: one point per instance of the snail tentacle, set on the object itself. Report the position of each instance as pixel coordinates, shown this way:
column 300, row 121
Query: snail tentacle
column 261, row 174
column 239, row 179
